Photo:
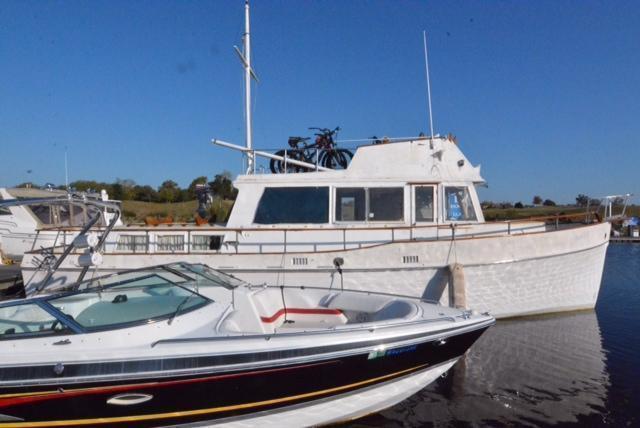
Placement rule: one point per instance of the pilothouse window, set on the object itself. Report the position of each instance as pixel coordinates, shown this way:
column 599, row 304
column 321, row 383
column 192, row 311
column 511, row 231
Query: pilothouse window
column 458, row 204
column 293, row 205
column 424, row 203
column 386, row 204
column 372, row 204
column 350, row 204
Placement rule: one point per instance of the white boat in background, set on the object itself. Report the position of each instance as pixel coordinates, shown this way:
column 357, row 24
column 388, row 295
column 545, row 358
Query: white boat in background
column 36, row 226
column 403, row 217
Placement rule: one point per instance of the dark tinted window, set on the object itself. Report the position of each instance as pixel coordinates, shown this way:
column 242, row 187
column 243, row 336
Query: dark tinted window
column 386, row 204
column 293, row 205
column 424, row 203
column 350, row 204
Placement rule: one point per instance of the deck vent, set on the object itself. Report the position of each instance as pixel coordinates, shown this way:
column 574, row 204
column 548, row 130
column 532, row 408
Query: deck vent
column 409, row 259
column 299, row 261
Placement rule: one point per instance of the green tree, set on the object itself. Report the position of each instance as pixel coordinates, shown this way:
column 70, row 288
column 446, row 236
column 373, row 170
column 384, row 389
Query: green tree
column 582, row 200
column 537, row 200
column 169, row 192
column 145, row 193
column 222, row 186
column 549, row 203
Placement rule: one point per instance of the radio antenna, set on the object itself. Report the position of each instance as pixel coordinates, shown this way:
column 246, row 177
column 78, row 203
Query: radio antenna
column 426, row 66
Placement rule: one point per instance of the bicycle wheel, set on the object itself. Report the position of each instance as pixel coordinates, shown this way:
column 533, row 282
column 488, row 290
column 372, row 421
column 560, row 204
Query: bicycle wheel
column 345, row 157
column 276, row 165
column 334, row 159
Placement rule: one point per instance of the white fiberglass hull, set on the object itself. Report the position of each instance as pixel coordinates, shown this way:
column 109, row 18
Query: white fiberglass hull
column 506, row 275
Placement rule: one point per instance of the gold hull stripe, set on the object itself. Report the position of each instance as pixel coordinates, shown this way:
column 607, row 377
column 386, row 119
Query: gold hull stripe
column 123, row 419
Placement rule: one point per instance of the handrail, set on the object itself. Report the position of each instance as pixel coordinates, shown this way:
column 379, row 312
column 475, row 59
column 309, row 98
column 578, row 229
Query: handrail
column 330, row 227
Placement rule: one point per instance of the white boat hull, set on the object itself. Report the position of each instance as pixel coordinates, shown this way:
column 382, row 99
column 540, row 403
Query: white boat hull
column 506, row 275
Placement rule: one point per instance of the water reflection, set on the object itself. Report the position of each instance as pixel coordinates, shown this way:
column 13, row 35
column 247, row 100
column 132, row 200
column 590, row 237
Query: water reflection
column 533, row 371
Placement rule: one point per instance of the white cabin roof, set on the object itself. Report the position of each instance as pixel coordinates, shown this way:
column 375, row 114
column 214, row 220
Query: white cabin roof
column 416, row 160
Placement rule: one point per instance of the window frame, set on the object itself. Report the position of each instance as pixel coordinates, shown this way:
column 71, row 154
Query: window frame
column 444, row 210
column 414, row 205
column 367, row 205
column 327, row 217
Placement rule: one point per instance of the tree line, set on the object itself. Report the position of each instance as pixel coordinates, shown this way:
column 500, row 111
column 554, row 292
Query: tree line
column 581, row 201
column 169, row 191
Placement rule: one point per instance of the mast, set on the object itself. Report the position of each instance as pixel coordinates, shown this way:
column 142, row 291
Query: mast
column 247, row 90
column 426, row 66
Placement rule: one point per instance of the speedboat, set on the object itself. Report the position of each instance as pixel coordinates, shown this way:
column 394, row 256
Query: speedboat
column 183, row 343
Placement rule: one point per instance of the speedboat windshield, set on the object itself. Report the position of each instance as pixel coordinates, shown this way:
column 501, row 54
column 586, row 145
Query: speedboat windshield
column 114, row 301
column 140, row 299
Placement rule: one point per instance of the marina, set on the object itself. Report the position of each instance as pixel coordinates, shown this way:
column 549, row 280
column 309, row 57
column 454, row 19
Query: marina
column 334, row 281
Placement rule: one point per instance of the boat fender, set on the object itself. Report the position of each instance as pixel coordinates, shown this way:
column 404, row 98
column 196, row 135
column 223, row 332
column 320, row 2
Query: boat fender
column 458, row 286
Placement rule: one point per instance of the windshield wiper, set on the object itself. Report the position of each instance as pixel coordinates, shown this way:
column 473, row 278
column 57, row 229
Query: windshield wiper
column 177, row 311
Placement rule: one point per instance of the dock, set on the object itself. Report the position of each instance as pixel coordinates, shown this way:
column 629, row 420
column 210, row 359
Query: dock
column 625, row 239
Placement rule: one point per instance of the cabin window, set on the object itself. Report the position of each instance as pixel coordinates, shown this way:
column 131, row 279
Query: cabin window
column 424, row 203
column 133, row 243
column 27, row 320
column 386, row 204
column 458, row 204
column 373, row 204
column 170, row 243
column 293, row 205
column 206, row 242
column 350, row 204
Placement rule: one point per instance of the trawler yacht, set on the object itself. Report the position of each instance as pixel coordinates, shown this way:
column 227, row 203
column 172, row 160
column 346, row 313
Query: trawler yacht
column 403, row 217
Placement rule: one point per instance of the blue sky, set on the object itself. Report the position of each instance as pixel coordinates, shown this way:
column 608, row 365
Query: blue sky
column 543, row 94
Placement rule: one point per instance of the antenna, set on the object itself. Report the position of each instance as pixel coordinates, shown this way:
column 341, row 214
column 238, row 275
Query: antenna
column 66, row 169
column 426, row 66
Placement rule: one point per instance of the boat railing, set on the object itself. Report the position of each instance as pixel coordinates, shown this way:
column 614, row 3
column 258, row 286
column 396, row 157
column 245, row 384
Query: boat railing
column 288, row 240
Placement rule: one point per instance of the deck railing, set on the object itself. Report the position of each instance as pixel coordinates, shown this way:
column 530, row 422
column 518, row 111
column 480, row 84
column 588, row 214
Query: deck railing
column 284, row 240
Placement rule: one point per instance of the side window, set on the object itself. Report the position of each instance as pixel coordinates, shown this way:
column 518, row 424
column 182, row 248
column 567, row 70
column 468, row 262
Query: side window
column 372, row 204
column 350, row 204
column 458, row 204
column 293, row 205
column 386, row 204
column 27, row 320
column 424, row 203
column 4, row 211
column 170, row 243
column 133, row 243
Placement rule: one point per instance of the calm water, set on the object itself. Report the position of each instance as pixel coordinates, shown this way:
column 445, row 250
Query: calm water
column 578, row 369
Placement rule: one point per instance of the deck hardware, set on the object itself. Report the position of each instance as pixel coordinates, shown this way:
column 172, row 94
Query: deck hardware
column 441, row 342
column 58, row 368
column 62, row 342
column 129, row 399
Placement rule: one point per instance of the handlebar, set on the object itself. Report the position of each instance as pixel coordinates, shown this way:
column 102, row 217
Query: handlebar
column 325, row 131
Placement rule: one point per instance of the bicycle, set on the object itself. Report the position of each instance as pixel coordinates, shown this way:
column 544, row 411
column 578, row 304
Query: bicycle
column 324, row 148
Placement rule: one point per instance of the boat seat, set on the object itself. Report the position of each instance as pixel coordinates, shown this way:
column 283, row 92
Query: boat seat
column 371, row 309
column 396, row 309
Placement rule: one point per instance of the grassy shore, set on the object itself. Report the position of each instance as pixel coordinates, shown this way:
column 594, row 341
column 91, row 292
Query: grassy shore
column 138, row 211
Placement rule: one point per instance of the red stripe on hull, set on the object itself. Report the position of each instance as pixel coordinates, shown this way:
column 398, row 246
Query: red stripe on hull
column 302, row 311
